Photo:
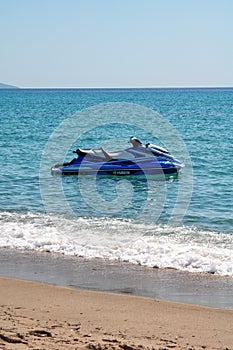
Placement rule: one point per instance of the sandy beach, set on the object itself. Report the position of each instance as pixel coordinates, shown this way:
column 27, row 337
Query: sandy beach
column 41, row 316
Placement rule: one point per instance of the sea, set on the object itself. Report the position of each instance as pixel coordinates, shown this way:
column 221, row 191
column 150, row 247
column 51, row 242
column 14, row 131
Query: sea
column 182, row 222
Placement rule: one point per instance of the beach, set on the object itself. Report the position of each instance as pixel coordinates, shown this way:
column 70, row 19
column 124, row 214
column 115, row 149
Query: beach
column 41, row 316
column 74, row 303
column 116, row 225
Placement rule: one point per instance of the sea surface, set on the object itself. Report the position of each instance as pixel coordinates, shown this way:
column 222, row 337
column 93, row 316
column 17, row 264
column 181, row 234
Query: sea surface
column 183, row 222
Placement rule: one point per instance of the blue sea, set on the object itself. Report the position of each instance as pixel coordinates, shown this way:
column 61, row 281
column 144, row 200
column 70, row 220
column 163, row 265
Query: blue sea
column 183, row 222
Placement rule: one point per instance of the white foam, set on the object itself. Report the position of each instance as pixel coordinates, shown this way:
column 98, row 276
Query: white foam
column 163, row 246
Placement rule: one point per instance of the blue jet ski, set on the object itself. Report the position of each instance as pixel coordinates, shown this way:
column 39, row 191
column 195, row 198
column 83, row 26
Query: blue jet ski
column 137, row 160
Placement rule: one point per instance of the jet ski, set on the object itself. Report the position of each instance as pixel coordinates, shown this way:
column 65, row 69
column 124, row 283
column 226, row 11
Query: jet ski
column 137, row 160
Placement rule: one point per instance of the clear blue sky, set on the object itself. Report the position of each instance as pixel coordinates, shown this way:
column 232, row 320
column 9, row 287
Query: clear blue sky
column 116, row 43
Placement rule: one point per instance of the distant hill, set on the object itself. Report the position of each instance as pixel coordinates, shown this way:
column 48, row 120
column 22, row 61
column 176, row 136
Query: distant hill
column 6, row 86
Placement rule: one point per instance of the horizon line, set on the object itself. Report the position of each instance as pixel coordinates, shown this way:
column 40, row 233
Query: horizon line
column 131, row 87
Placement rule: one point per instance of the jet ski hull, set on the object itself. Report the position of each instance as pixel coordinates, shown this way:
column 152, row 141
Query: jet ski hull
column 167, row 168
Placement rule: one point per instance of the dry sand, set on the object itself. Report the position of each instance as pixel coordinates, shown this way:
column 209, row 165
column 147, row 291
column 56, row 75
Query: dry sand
column 40, row 316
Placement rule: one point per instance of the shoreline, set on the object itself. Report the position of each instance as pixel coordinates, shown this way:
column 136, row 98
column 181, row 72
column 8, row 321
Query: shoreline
column 117, row 277
column 53, row 301
column 36, row 315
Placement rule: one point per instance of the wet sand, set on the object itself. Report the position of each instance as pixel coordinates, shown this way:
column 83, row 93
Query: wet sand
column 100, row 275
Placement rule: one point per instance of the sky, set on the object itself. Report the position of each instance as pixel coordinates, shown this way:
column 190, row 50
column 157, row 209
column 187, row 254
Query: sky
column 116, row 43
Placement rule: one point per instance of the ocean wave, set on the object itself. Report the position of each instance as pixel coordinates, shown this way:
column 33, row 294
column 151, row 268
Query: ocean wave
column 161, row 246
